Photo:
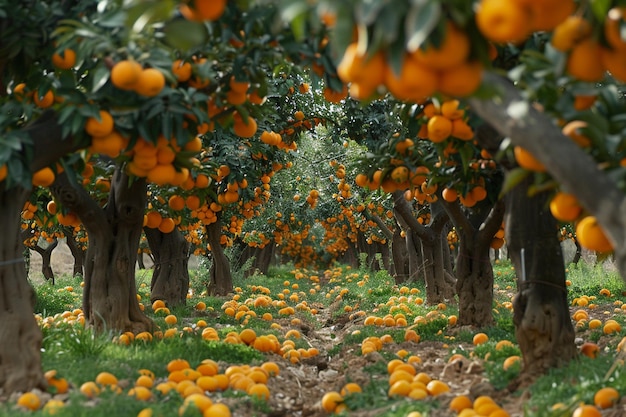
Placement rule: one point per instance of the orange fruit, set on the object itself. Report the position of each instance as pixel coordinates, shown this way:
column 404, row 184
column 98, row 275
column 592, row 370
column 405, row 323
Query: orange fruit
column 150, row 82
column 244, row 129
column 606, row 397
column 548, row 14
column 217, row 410
column 177, row 365
column 192, row 202
column 333, row 96
column 590, row 349
column 615, row 62
column 365, row 72
column 65, row 60
column 571, row 129
column 29, row 400
column 565, row 207
column 182, row 70
column 90, row 389
column 461, row 130
column 415, row 82
column 260, row 391
column 460, row 403
column 612, row 28
column 106, row 378
column 3, row 172
column 586, row 101
column 100, row 126
column 570, row 32
column 590, row 235
column 152, row 220
column 203, row 10
column 437, row 387
column 111, row 145
column 503, row 22
column 125, row 74
column 586, row 411
column 585, row 61
column 162, row 174
column 510, row 361
column 44, row 177
column 479, row 339
column 331, row 400
column 527, row 161
column 461, row 80
column 452, row 50
column 44, row 101
column 167, row 225
column 439, row 128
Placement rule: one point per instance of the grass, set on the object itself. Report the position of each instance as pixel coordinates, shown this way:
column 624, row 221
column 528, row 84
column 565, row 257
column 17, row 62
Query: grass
column 334, row 302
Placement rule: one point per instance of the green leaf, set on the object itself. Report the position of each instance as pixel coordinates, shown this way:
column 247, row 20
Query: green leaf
column 368, row 11
column 100, row 77
column 183, row 34
column 420, row 22
column 600, row 8
column 513, row 178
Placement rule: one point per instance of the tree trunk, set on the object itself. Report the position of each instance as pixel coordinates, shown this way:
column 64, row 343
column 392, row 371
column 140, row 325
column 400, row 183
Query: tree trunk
column 400, row 256
column 46, row 255
column 109, row 294
column 543, row 326
column 431, row 241
column 77, row 252
column 474, row 272
column 220, row 275
column 170, row 276
column 564, row 160
column 263, row 258
column 20, row 360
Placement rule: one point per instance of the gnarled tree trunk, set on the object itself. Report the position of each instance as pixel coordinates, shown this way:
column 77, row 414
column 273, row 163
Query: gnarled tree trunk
column 543, row 326
column 20, row 360
column 109, row 294
column 439, row 286
column 220, row 276
column 474, row 272
column 77, row 252
column 46, row 256
column 170, row 276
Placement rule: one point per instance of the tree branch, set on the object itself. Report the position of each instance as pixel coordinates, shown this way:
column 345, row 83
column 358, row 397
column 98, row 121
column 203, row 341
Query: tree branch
column 577, row 172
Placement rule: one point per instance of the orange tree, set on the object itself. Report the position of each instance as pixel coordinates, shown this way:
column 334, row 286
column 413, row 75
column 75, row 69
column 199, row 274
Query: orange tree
column 134, row 85
column 567, row 66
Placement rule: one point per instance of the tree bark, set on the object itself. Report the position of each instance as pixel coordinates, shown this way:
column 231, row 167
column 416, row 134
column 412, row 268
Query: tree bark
column 77, row 252
column 170, row 276
column 474, row 272
column 431, row 241
column 220, row 275
column 109, row 294
column 543, row 326
column 46, row 256
column 513, row 117
column 400, row 257
column 20, row 357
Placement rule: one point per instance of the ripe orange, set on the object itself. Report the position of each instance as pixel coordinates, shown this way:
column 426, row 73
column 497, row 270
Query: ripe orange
column 244, row 129
column 106, row 378
column 90, row 389
column 64, row 61
column 606, row 397
column 260, row 391
column 612, row 28
column 503, row 22
column 585, row 61
column 548, row 14
column 572, row 128
column 461, row 80
column 570, row 32
column 167, row 225
column 586, row 411
column 44, row 101
column 162, row 174
column 565, row 207
column 3, row 172
column 333, row 96
column 479, row 339
column 331, row 400
column 437, row 387
column 152, row 219
column 30, row 401
column 460, row 403
column 590, row 349
column 217, row 410
column 526, row 160
column 203, row 10
column 182, row 70
column 150, row 82
column 44, row 177
column 100, row 126
column 590, row 235
column 615, row 62
column 125, row 74
column 439, row 128
column 451, row 51
column 365, row 72
column 510, row 361
column 415, row 82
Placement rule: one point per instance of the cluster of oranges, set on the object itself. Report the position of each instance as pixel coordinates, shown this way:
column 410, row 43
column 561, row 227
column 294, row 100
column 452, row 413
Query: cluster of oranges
column 445, row 67
column 155, row 162
column 129, row 75
column 445, row 121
